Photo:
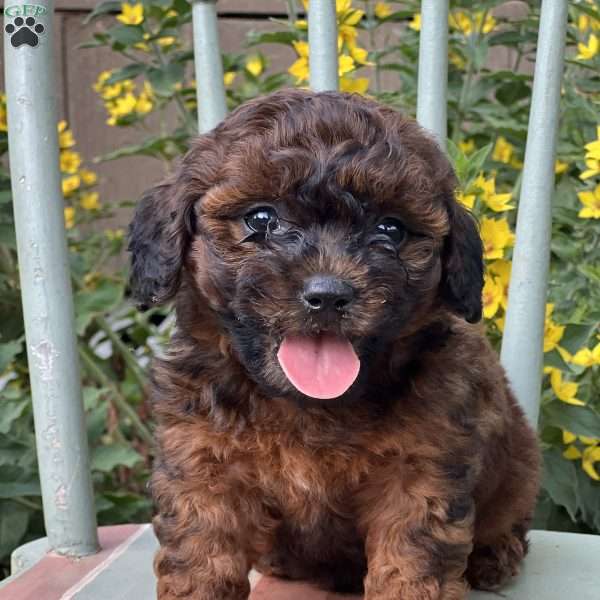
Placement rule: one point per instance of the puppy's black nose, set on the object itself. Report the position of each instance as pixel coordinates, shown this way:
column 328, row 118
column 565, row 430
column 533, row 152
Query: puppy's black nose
column 327, row 293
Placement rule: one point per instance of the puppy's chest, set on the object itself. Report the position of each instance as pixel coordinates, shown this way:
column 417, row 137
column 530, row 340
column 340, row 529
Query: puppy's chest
column 305, row 480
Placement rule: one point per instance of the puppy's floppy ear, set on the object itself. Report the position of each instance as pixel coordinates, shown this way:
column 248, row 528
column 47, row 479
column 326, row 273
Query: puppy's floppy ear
column 158, row 238
column 462, row 278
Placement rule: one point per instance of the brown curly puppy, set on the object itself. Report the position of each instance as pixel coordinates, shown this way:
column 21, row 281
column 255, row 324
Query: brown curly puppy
column 328, row 409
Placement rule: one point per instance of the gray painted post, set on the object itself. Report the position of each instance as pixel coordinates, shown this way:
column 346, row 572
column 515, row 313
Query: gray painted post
column 522, row 346
column 322, row 45
column 433, row 69
column 46, row 288
column 210, row 89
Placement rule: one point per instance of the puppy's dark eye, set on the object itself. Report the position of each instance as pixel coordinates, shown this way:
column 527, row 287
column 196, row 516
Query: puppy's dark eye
column 392, row 229
column 262, row 220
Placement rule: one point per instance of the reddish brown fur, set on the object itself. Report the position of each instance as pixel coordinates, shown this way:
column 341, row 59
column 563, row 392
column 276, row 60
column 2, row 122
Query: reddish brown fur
column 421, row 480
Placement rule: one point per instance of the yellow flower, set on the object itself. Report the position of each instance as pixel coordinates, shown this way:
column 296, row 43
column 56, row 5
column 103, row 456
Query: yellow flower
column 382, row 10
column 593, row 168
column 254, row 65
column 144, row 104
column 591, row 203
column 301, row 24
column 102, row 77
column 590, row 456
column 560, row 167
column 467, row 200
column 345, row 65
column 89, row 201
column 491, row 296
column 168, row 40
column 114, row 234
column 70, row 184
column 88, row 177
column 69, row 161
column 552, row 334
column 503, row 150
column 467, row 146
column 496, row 236
column 360, row 85
column 564, row 390
column 586, row 357
column 568, row 437
column 457, row 60
column 502, row 269
column 589, row 441
column 123, row 106
column 497, row 202
column 592, row 157
column 229, row 77
column 359, row 55
column 461, row 21
column 589, row 50
column 415, row 24
column 131, row 14
column 300, row 69
column 572, row 453
column 65, row 136
column 69, row 217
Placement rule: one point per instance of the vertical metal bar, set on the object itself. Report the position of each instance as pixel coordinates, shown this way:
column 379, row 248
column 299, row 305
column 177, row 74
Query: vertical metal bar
column 210, row 89
column 522, row 346
column 45, row 280
column 322, row 45
column 433, row 69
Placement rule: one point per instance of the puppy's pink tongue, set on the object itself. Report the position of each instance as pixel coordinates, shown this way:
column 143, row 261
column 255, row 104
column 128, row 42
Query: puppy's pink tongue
column 323, row 366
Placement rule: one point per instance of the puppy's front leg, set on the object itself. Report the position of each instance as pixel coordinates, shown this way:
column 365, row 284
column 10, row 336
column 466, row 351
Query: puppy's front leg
column 203, row 533
column 418, row 538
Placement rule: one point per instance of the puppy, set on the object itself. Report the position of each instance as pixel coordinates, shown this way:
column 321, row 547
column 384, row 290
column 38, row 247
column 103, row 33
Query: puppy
column 329, row 409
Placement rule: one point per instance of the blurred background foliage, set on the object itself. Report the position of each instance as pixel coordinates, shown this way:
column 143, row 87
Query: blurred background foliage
column 487, row 124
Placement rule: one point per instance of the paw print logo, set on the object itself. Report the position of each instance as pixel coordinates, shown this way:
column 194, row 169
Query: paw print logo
column 24, row 31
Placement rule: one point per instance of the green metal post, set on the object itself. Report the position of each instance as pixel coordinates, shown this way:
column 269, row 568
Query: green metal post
column 322, row 45
column 210, row 89
column 522, row 345
column 433, row 69
column 45, row 279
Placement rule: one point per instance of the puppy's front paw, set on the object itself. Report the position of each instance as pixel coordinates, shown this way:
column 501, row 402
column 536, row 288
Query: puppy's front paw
column 490, row 567
column 425, row 589
column 173, row 589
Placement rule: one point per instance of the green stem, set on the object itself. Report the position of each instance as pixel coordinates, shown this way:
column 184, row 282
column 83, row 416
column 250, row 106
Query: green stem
column 27, row 503
column 189, row 123
column 120, row 401
column 124, row 351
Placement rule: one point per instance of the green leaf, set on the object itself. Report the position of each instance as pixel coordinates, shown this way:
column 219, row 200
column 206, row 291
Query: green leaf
column 126, row 35
column 580, row 420
column 106, row 458
column 272, row 37
column 128, row 72
column 163, row 79
column 104, row 297
column 7, row 235
column 8, row 351
column 15, row 489
column 576, row 336
column 102, row 9
column 14, row 519
column 554, row 359
column 10, row 411
column 560, row 481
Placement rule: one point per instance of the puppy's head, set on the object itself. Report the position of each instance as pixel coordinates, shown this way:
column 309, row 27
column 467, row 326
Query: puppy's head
column 319, row 228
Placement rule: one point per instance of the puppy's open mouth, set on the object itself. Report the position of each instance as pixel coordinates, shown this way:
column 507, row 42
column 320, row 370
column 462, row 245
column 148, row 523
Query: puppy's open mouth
column 322, row 366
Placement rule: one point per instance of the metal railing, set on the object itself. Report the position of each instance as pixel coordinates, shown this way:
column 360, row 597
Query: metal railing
column 38, row 206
